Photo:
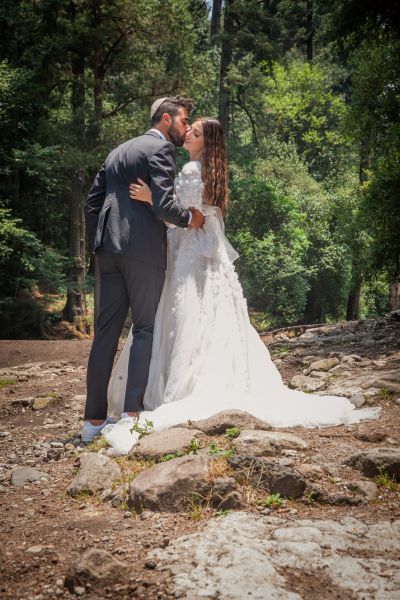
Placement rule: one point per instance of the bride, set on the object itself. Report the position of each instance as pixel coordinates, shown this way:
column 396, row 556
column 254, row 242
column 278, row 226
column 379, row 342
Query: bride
column 206, row 355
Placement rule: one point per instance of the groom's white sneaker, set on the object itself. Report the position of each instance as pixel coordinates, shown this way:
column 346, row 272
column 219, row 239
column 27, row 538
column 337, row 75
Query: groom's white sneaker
column 125, row 415
column 90, row 431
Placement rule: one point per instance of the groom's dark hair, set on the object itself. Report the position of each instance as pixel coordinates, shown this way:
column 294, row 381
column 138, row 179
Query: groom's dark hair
column 172, row 106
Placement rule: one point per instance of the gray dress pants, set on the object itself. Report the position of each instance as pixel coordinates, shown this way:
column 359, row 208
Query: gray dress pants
column 124, row 282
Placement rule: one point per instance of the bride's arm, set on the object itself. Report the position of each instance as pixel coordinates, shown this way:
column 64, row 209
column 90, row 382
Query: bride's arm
column 142, row 192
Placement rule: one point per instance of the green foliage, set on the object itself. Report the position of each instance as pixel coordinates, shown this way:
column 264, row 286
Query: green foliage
column 24, row 263
column 5, row 381
column 314, row 104
column 272, row 501
column 215, row 450
column 146, row 429
column 384, row 480
column 167, row 457
column 232, row 432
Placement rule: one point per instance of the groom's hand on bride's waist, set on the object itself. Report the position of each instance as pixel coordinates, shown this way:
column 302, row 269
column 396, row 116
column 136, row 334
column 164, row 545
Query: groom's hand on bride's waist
column 197, row 218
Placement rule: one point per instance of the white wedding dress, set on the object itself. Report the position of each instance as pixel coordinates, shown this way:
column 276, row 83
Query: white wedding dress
column 206, row 355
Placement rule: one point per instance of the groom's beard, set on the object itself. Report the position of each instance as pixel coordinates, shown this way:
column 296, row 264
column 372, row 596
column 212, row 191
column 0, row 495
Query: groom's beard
column 176, row 138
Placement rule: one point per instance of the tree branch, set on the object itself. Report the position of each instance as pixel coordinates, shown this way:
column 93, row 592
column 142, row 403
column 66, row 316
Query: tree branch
column 120, row 107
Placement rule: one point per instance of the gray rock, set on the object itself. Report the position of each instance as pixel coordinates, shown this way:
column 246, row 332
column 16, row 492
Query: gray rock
column 168, row 441
column 97, row 472
column 262, row 556
column 226, row 419
column 368, row 432
column 310, row 471
column 308, row 384
column 232, row 501
column 371, row 461
column 41, row 403
column 23, row 475
column 94, row 566
column 389, row 380
column 172, row 485
column 34, row 550
column 324, row 364
column 358, row 400
column 266, row 443
column 222, row 487
column 23, row 401
column 268, row 475
column 368, row 489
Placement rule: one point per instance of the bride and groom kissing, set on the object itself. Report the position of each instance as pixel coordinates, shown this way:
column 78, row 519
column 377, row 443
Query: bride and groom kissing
column 161, row 251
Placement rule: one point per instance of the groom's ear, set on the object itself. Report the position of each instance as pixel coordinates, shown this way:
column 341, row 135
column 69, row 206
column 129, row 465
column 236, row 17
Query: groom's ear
column 167, row 118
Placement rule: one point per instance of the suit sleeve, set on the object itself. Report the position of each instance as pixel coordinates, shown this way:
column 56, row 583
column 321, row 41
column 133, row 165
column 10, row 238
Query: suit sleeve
column 94, row 204
column 162, row 174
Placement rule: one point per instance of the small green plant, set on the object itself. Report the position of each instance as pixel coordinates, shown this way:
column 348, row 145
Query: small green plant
column 97, row 444
column 222, row 513
column 217, row 451
column 281, row 352
column 311, row 496
column 384, row 480
column 5, row 381
column 272, row 501
column 196, row 508
column 168, row 457
column 195, row 446
column 384, row 394
column 232, row 432
column 143, row 430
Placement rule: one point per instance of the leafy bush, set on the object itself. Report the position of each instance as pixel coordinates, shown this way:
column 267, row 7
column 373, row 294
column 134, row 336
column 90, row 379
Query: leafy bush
column 25, row 263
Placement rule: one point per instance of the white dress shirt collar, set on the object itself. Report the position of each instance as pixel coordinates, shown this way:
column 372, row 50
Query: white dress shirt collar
column 162, row 136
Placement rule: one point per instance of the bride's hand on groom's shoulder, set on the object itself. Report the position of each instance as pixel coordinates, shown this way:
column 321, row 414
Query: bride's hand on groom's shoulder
column 140, row 191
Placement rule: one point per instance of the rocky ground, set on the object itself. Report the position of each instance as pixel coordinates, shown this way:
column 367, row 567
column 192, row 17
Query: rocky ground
column 225, row 508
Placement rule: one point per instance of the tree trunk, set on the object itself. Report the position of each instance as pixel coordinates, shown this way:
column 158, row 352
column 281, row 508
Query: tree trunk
column 226, row 57
column 310, row 31
column 364, row 160
column 75, row 305
column 215, row 20
column 353, row 302
column 394, row 300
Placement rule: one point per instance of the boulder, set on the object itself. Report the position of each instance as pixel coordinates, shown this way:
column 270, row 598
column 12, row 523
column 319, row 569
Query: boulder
column 266, row 443
column 222, row 487
column 367, row 432
column 227, row 419
column 324, row 364
column 307, row 384
column 368, row 489
column 94, row 566
column 97, row 472
column 23, row 475
column 232, row 501
column 41, row 403
column 372, row 461
column 268, row 475
column 390, row 380
column 310, row 471
column 358, row 400
column 168, row 441
column 172, row 485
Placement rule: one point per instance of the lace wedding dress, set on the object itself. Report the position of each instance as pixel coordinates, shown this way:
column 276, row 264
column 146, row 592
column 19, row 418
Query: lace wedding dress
column 206, row 355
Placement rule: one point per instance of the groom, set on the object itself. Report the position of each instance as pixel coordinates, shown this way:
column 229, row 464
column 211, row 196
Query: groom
column 129, row 242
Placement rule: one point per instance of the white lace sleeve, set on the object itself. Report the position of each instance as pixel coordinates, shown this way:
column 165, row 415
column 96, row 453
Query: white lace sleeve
column 189, row 186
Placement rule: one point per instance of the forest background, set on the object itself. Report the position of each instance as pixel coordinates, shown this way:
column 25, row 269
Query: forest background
column 308, row 93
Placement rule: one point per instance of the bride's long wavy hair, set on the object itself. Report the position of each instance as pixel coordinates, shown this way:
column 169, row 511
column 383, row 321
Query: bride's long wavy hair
column 214, row 166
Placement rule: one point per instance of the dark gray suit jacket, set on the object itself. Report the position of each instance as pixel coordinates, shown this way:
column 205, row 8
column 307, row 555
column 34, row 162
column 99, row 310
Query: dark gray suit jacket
column 118, row 224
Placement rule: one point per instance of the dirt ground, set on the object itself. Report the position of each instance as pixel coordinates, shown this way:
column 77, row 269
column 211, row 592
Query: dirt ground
column 42, row 514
